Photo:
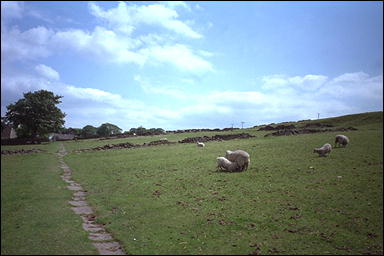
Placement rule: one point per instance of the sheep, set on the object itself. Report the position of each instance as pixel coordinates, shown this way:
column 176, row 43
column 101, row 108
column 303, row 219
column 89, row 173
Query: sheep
column 200, row 144
column 241, row 158
column 325, row 149
column 224, row 164
column 163, row 139
column 341, row 140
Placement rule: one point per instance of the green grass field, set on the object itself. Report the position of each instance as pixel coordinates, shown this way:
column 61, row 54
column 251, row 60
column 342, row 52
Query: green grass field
column 35, row 216
column 169, row 199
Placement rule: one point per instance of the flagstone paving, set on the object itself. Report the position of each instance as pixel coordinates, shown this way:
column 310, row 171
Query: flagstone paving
column 102, row 240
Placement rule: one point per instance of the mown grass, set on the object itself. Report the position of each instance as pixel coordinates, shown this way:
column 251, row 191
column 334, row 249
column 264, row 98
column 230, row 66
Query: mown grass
column 35, row 216
column 170, row 200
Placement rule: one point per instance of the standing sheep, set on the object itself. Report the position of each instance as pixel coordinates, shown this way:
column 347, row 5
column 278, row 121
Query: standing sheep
column 224, row 164
column 240, row 157
column 325, row 149
column 341, row 140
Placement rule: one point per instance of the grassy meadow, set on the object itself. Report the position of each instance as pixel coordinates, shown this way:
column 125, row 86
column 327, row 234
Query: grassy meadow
column 35, row 216
column 170, row 199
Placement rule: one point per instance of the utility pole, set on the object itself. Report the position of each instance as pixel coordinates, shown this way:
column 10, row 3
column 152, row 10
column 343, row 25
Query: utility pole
column 318, row 115
column 242, row 125
column 232, row 125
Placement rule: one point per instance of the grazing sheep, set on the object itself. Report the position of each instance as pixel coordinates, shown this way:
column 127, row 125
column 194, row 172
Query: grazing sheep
column 200, row 144
column 241, row 158
column 163, row 139
column 341, row 140
column 224, row 164
column 325, row 149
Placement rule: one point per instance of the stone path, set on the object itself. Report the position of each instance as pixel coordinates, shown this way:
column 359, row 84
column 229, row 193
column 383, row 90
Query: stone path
column 101, row 239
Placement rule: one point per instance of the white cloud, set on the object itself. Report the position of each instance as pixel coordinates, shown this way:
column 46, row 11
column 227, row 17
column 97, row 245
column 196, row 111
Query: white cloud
column 47, row 72
column 128, row 17
column 119, row 17
column 351, row 77
column 175, row 4
column 172, row 91
column 179, row 55
column 286, row 99
column 306, row 83
column 115, row 44
column 30, row 44
column 205, row 53
column 105, row 44
column 345, row 94
column 354, row 87
column 221, row 108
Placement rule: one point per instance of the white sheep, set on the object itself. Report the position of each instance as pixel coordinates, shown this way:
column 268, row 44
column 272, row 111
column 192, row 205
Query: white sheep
column 241, row 158
column 163, row 139
column 341, row 140
column 200, row 144
column 325, row 149
column 224, row 164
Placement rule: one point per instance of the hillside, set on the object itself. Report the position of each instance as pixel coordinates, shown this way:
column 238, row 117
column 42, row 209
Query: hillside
column 358, row 120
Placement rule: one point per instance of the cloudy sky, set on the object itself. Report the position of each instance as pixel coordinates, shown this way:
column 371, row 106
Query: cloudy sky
column 178, row 65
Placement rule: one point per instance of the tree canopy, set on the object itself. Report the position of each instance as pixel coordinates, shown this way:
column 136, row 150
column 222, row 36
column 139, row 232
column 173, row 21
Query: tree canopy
column 88, row 131
column 36, row 114
column 143, row 131
column 108, row 129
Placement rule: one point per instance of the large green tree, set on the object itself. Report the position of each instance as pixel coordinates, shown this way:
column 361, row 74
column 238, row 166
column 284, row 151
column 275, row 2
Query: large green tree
column 88, row 131
column 108, row 129
column 36, row 114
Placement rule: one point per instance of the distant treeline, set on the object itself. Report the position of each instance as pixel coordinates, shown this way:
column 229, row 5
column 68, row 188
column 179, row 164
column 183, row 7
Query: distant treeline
column 107, row 130
column 111, row 130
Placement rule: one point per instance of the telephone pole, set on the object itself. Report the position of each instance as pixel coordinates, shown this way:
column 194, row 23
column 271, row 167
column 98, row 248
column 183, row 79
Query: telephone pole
column 242, row 125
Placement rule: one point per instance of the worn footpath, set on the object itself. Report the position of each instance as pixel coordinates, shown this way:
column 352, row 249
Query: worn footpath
column 101, row 239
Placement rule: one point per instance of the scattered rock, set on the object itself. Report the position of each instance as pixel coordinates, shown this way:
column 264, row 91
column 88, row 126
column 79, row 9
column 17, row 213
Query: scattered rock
column 279, row 127
column 217, row 138
column 319, row 125
column 109, row 248
column 21, row 151
column 78, row 203
column 287, row 132
column 158, row 142
column 89, row 227
column 100, row 237
column 81, row 208
column 166, row 142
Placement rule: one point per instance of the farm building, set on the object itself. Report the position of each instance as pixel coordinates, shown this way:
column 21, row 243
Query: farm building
column 8, row 133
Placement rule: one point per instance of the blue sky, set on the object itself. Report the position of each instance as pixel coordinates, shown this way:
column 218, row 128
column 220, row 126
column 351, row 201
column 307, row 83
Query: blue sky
column 178, row 65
